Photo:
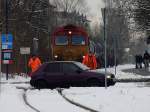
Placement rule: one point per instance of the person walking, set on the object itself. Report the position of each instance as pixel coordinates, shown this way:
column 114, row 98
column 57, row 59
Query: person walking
column 146, row 59
column 138, row 60
column 34, row 63
column 90, row 60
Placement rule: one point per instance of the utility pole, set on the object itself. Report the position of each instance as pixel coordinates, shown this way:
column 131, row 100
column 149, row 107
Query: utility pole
column 6, row 23
column 105, row 40
column 49, row 34
column 115, row 52
column 105, row 13
column 0, row 48
column 0, row 59
column 48, row 14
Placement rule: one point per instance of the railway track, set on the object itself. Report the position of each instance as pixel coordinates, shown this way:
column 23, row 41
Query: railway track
column 60, row 92
column 75, row 103
column 25, row 98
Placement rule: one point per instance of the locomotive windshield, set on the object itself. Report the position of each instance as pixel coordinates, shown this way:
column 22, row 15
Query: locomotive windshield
column 61, row 40
column 77, row 40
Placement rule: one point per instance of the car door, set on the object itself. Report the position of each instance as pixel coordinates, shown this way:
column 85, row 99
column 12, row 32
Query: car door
column 71, row 74
column 53, row 74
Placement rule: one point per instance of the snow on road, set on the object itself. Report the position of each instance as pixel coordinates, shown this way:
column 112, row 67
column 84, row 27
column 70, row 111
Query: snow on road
column 14, row 79
column 122, row 75
column 11, row 100
column 50, row 100
column 123, row 97
column 119, row 98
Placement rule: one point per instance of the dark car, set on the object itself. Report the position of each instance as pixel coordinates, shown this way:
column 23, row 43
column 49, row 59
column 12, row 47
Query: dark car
column 68, row 73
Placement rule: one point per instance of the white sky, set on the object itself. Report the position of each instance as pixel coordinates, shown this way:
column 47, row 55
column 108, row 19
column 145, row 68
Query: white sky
column 95, row 10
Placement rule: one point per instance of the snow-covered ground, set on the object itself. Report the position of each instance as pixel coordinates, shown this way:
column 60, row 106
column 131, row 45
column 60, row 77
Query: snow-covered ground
column 50, row 101
column 11, row 99
column 119, row 98
column 123, row 97
column 122, row 75
column 14, row 78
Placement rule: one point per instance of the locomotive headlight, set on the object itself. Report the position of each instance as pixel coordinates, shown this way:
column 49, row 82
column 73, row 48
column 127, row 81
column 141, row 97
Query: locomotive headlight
column 56, row 56
column 70, row 32
column 83, row 56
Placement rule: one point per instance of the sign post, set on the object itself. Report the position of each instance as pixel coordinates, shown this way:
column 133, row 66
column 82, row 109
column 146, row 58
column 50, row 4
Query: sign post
column 7, row 45
column 25, row 51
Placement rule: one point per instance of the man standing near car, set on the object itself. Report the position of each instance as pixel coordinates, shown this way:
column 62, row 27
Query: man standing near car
column 90, row 60
column 34, row 63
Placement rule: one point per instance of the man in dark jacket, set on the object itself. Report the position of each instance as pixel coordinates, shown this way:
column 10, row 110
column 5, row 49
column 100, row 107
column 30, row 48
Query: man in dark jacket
column 146, row 59
column 138, row 60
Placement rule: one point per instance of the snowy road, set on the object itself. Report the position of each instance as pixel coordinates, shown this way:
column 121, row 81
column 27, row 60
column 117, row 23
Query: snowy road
column 120, row 98
column 123, row 97
column 11, row 100
column 50, row 100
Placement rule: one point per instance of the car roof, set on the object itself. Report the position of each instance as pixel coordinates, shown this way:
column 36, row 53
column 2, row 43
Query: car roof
column 62, row 62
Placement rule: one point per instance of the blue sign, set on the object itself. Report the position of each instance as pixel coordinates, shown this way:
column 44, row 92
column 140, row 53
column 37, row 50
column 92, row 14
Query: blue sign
column 7, row 38
column 6, row 46
column 7, row 41
column 7, row 57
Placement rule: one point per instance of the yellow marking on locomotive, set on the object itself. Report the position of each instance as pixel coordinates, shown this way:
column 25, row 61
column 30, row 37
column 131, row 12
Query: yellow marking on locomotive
column 70, row 53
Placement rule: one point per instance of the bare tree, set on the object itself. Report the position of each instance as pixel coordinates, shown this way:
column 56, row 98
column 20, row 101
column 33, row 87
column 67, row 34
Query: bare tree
column 71, row 5
column 117, row 27
column 26, row 19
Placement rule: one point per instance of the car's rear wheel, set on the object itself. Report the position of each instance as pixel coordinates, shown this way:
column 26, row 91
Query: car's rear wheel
column 93, row 82
column 40, row 84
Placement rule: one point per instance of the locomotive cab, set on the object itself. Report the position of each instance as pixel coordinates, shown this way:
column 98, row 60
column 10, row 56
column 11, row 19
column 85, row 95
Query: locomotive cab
column 69, row 43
